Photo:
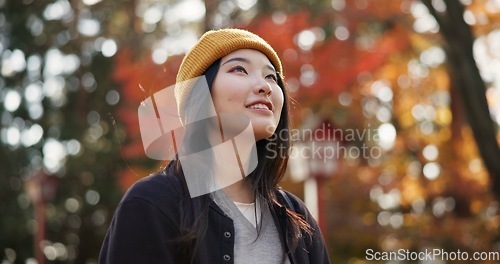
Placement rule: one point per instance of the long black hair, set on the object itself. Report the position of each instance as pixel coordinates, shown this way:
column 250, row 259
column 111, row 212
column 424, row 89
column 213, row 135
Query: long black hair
column 272, row 156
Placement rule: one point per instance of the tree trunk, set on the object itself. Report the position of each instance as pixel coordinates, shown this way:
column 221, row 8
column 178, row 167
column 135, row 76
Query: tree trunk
column 458, row 44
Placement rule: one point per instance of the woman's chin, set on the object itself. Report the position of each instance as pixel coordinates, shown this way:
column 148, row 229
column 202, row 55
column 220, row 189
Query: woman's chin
column 262, row 131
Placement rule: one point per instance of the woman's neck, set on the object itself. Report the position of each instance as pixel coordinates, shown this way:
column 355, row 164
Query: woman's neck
column 240, row 191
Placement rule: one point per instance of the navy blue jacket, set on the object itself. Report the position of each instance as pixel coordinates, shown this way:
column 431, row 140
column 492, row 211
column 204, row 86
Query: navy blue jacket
column 148, row 218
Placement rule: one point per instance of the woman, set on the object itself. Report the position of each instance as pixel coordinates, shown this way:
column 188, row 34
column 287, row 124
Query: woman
column 247, row 220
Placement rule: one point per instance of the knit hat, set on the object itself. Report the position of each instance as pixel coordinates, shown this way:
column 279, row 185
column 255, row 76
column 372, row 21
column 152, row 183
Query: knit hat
column 213, row 45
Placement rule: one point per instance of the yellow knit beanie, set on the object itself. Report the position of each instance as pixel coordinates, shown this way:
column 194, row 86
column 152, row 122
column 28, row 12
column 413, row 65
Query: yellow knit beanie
column 212, row 46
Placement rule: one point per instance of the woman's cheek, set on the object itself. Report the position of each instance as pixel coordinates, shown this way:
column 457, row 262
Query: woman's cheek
column 279, row 109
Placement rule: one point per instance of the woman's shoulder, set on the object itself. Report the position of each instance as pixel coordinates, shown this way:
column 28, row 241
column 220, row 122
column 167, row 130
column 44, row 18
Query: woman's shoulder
column 158, row 189
column 296, row 205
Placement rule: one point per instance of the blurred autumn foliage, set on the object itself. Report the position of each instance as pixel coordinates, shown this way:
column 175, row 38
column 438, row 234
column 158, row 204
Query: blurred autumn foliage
column 382, row 68
column 140, row 78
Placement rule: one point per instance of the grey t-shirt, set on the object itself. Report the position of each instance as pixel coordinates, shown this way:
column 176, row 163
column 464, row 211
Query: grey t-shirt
column 250, row 245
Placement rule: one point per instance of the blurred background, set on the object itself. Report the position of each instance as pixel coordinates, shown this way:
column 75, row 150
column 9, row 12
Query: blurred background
column 407, row 91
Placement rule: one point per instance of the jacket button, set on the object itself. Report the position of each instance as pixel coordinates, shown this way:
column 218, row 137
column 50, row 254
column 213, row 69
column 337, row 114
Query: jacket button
column 227, row 234
column 227, row 257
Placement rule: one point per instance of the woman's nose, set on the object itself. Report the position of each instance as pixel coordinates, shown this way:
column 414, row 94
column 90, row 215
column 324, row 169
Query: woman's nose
column 262, row 86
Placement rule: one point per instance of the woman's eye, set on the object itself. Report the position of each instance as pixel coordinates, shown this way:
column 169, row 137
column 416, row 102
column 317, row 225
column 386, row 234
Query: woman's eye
column 272, row 76
column 238, row 69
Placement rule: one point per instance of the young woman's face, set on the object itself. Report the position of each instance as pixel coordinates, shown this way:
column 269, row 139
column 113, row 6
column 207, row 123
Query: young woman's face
column 247, row 84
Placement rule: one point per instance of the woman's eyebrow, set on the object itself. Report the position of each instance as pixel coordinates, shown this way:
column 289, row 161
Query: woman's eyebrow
column 245, row 60
column 237, row 59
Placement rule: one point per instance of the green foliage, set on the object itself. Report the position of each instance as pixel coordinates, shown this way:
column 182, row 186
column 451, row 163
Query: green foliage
column 66, row 89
